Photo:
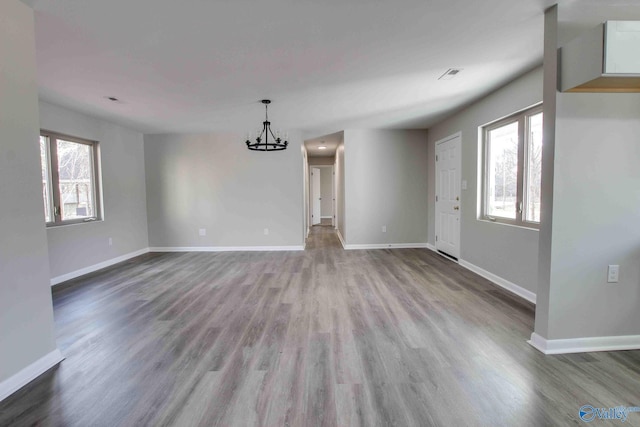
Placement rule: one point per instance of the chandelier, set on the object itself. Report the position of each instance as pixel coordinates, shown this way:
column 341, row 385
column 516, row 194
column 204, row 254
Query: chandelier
column 276, row 143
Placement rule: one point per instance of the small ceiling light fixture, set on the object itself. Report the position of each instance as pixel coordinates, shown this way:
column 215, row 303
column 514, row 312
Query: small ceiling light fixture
column 322, row 146
column 277, row 142
column 450, row 73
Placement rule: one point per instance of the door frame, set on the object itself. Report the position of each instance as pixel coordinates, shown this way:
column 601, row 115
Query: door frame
column 437, row 181
column 333, row 193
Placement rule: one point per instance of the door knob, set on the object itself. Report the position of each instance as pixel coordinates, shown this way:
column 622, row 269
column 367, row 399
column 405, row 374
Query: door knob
column 456, row 208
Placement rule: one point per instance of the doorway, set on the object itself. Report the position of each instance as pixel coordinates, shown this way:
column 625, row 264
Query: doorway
column 448, row 195
column 322, row 197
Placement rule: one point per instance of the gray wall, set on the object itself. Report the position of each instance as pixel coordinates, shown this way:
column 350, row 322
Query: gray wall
column 26, row 315
column 305, row 190
column 212, row 181
column 386, row 184
column 319, row 161
column 508, row 252
column 78, row 246
column 326, row 192
column 340, row 188
column 595, row 196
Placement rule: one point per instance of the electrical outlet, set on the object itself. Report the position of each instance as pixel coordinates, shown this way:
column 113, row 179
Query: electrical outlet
column 384, row 228
column 613, row 273
column 202, row 232
column 110, row 241
column 266, row 231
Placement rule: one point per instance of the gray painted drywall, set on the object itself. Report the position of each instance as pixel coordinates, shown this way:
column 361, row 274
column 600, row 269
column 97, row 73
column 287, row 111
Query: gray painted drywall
column 212, row 181
column 340, row 188
column 79, row 246
column 548, row 151
column 595, row 198
column 326, row 192
column 320, row 161
column 591, row 193
column 595, row 216
column 386, row 185
column 26, row 313
column 508, row 252
column 305, row 191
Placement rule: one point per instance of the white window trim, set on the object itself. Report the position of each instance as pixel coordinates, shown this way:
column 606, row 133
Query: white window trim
column 97, row 179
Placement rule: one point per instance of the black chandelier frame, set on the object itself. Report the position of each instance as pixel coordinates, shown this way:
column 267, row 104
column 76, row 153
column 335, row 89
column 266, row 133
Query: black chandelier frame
column 276, row 143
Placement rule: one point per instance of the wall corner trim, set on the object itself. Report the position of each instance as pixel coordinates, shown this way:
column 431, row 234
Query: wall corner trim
column 584, row 345
column 96, row 267
column 344, row 246
column 226, row 248
column 431, row 247
column 386, row 246
column 29, row 373
column 503, row 283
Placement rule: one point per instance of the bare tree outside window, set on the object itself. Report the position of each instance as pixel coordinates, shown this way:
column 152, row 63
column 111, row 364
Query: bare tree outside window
column 512, row 168
column 534, row 167
column 503, row 172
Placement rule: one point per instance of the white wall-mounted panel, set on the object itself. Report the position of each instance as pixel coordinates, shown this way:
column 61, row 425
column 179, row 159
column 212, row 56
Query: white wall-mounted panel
column 622, row 47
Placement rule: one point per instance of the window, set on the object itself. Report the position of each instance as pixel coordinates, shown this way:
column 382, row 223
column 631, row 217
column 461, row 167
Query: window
column 511, row 168
column 70, row 179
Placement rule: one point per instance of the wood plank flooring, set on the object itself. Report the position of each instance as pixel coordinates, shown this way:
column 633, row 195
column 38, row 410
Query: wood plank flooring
column 323, row 337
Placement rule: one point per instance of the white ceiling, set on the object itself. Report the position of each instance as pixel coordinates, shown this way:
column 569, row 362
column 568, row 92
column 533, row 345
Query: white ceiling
column 198, row 66
column 330, row 141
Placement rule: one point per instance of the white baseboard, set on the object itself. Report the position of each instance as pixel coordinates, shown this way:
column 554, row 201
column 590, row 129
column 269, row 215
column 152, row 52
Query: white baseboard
column 585, row 345
column 340, row 238
column 28, row 374
column 386, row 246
column 226, row 248
column 96, row 267
column 503, row 283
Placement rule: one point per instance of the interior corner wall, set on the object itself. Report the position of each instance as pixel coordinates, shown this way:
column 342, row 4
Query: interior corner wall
column 212, row 182
column 510, row 253
column 550, row 80
column 80, row 246
column 26, row 312
column 386, row 185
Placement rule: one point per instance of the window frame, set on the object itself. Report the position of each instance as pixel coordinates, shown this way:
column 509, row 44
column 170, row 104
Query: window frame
column 55, row 200
column 522, row 118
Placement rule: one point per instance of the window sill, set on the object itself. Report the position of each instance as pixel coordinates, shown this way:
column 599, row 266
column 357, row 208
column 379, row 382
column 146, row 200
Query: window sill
column 506, row 224
column 68, row 224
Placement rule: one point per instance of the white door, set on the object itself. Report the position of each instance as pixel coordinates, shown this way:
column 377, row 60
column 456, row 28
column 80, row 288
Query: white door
column 448, row 195
column 315, row 196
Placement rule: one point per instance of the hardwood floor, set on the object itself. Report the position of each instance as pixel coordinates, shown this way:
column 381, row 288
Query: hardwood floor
column 321, row 337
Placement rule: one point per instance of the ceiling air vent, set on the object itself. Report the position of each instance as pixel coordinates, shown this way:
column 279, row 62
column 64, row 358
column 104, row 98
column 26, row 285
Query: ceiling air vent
column 450, row 73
